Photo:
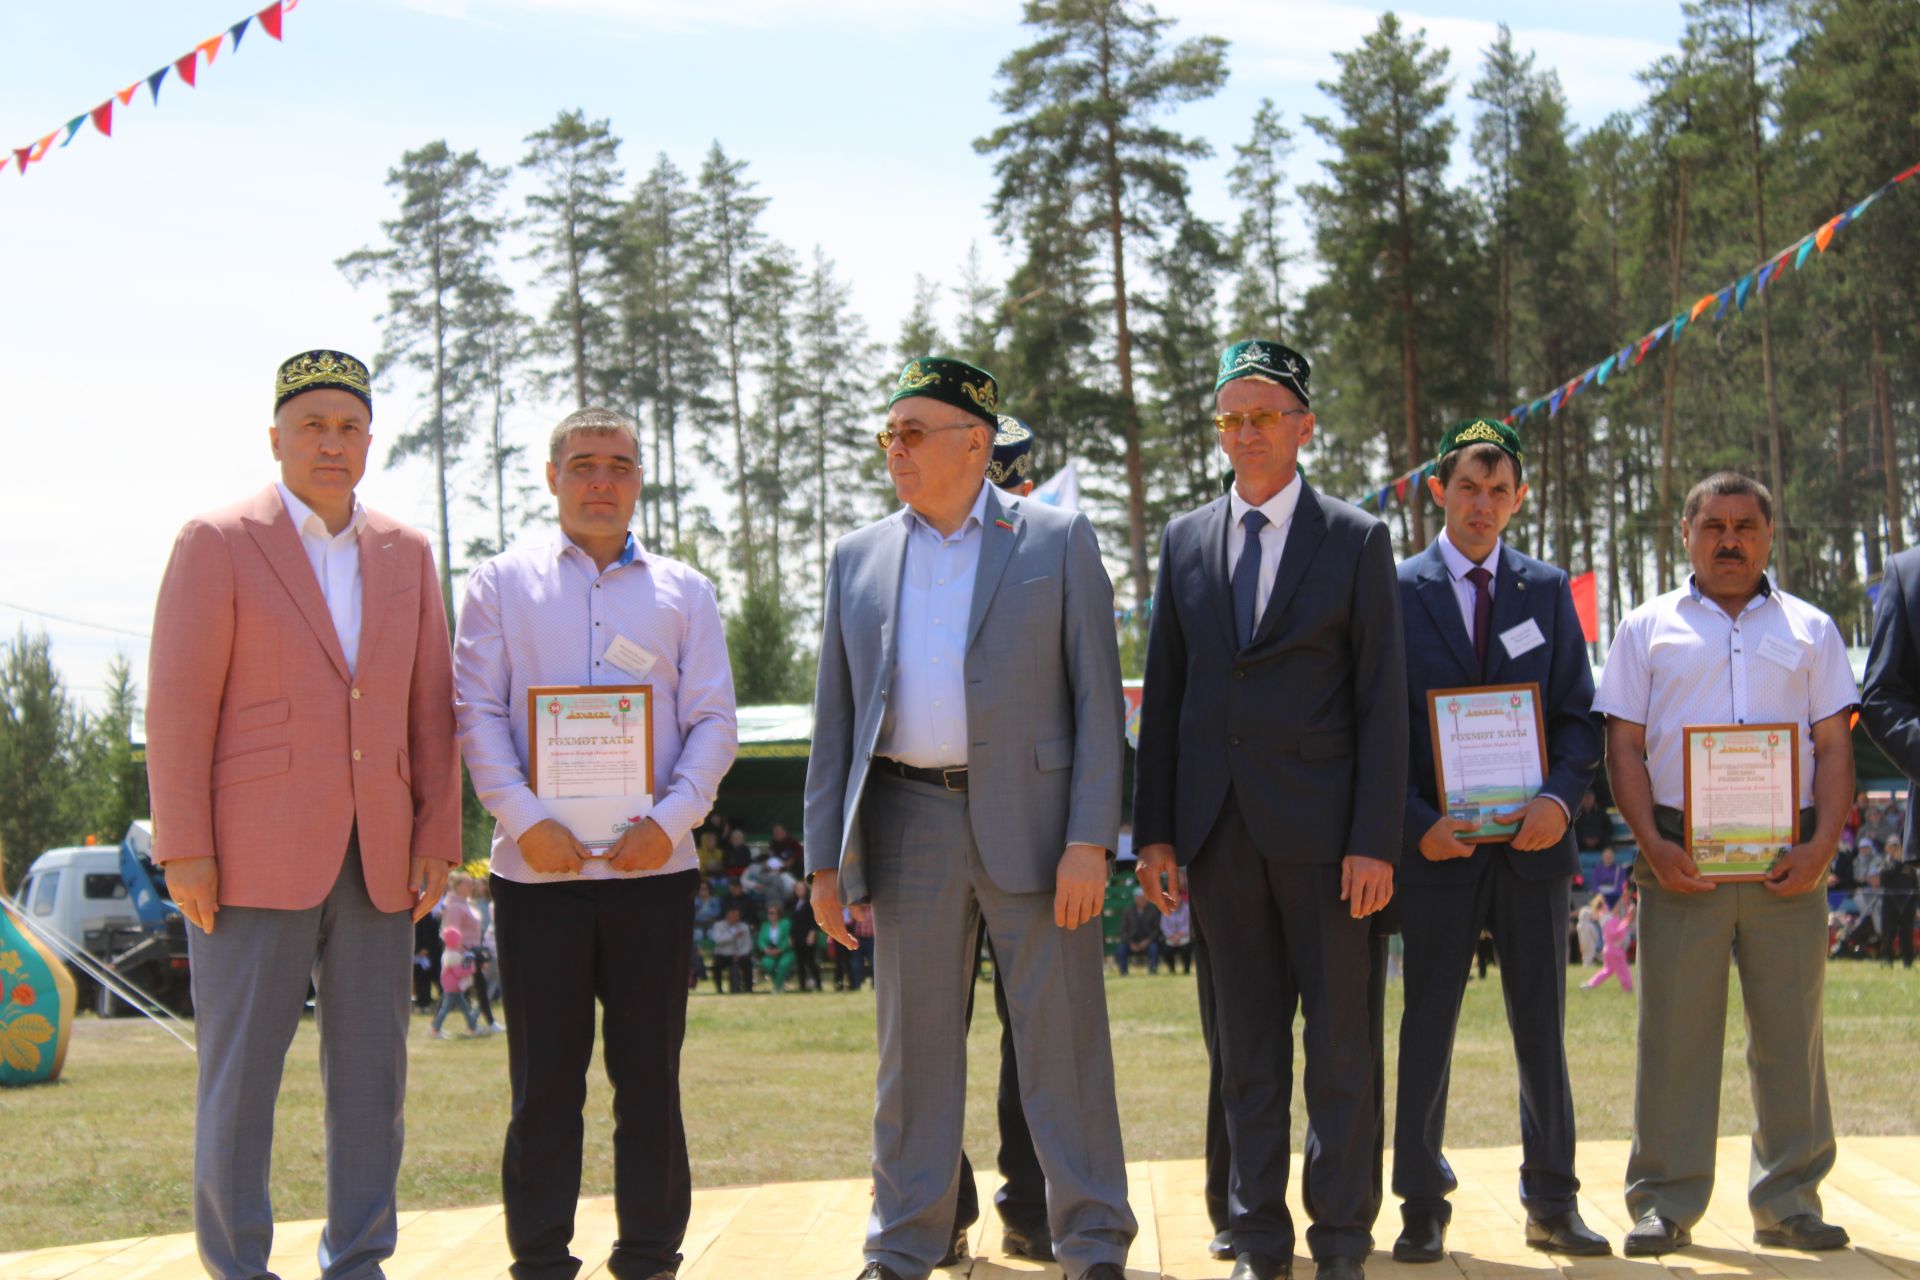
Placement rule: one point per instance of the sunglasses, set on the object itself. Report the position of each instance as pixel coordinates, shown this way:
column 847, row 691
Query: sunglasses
column 912, row 436
column 1261, row 420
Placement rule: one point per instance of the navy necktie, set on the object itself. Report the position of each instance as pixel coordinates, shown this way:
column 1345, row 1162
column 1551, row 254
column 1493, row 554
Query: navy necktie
column 1246, row 577
column 1482, row 612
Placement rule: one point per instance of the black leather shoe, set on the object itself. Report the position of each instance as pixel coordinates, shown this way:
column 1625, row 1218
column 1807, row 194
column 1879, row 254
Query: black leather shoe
column 1020, row 1244
column 1654, row 1235
column 1565, row 1233
column 1803, row 1231
column 1106, row 1271
column 1339, row 1269
column 1220, row 1248
column 1259, row 1266
column 957, row 1254
column 878, row 1271
column 1422, row 1239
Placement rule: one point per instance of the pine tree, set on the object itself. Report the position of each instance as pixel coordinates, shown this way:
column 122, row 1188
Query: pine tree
column 1385, row 221
column 730, row 237
column 832, row 347
column 436, row 265
column 499, row 341
column 1258, row 183
column 772, row 286
column 109, row 787
column 1083, row 102
column 1179, row 338
column 38, row 726
column 573, row 218
column 1506, row 84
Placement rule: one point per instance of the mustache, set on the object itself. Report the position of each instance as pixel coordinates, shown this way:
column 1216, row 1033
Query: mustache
column 1729, row 555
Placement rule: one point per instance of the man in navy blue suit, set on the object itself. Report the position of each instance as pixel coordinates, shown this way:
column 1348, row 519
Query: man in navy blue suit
column 1477, row 612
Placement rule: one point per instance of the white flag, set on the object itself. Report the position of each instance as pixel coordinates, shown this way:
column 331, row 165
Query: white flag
column 1061, row 490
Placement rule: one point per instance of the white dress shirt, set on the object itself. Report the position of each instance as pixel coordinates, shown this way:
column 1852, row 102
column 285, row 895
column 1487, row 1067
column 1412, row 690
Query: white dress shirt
column 1273, row 537
column 1458, row 566
column 335, row 558
column 925, row 724
column 1679, row 660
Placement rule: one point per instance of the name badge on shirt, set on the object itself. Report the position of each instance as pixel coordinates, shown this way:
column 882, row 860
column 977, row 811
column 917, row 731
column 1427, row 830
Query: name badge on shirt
column 1782, row 653
column 1524, row 638
column 629, row 657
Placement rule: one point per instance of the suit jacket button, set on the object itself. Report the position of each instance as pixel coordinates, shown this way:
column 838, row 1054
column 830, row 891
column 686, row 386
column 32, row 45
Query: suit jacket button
column 356, row 695
column 1233, row 742
column 1237, row 675
column 356, row 750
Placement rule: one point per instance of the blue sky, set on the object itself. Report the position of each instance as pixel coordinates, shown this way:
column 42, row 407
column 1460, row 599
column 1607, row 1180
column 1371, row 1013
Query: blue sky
column 153, row 281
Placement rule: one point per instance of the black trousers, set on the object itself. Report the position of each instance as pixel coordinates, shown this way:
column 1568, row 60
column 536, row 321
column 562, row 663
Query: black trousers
column 628, row 944
column 1219, row 1149
column 1022, row 1197
column 1442, row 926
column 1280, row 940
column 1898, row 912
column 806, row 957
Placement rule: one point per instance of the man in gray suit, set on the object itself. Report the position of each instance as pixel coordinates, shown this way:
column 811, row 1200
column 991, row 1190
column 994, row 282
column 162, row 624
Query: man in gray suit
column 968, row 646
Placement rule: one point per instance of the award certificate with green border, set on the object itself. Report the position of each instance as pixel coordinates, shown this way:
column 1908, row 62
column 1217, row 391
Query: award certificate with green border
column 1489, row 754
column 590, row 757
column 1742, row 808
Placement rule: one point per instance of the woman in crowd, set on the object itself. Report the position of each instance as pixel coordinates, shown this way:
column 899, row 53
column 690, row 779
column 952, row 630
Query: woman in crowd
column 776, row 947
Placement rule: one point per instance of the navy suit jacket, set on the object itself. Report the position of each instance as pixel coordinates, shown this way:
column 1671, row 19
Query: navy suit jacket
column 1440, row 656
column 1308, row 723
column 1890, row 695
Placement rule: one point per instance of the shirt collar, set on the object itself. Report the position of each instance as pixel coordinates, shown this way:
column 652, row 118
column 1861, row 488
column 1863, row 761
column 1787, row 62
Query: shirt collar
column 306, row 520
column 976, row 517
column 1760, row 597
column 628, row 553
column 1278, row 509
column 1457, row 563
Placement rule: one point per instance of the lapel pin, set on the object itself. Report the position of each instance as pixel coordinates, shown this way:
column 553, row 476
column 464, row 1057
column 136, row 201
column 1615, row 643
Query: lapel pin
column 1004, row 524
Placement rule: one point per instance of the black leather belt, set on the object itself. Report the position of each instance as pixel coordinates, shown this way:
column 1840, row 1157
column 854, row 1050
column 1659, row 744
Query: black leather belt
column 954, row 779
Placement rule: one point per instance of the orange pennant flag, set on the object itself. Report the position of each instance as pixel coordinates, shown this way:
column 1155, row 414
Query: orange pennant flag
column 1700, row 306
column 126, row 94
column 40, row 147
column 103, row 118
column 211, row 46
column 1824, row 236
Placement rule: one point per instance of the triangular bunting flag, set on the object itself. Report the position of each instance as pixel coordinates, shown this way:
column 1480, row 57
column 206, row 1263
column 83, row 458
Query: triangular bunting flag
column 211, row 46
column 1400, row 487
column 103, row 118
column 1904, row 174
column 1586, row 379
column 237, row 30
column 153, row 83
column 1861, row 208
column 1701, row 305
column 1679, row 322
column 1606, row 367
column 270, row 19
column 43, row 146
column 1766, row 274
column 1553, row 405
column 1726, row 296
column 1800, row 258
column 1383, row 501
column 73, row 127
column 22, row 157
column 187, row 65
column 126, row 94
column 3, row 162
column 1741, row 290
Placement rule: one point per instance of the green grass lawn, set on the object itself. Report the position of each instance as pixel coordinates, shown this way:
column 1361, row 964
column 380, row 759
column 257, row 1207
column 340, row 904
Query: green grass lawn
column 781, row 1088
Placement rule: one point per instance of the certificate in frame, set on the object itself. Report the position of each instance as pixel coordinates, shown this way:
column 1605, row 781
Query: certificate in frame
column 590, row 741
column 1489, row 754
column 1741, row 811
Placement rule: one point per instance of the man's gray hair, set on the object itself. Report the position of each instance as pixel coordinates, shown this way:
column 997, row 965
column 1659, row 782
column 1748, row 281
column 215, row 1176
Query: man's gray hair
column 593, row 421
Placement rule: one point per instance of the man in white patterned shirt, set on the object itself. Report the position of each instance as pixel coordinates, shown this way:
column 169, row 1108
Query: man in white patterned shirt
column 592, row 608
column 1729, row 647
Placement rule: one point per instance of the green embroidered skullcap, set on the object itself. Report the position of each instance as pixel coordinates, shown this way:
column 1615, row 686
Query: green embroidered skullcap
column 953, row 382
column 1269, row 361
column 1012, row 453
column 1482, row 431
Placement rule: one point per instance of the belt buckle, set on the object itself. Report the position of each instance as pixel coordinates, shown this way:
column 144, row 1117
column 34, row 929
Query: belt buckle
column 946, row 776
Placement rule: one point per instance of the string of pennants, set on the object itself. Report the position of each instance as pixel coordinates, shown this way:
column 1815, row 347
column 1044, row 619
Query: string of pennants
column 186, row 67
column 1734, row 295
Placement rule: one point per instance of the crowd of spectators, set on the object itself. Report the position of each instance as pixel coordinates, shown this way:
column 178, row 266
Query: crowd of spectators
column 753, row 925
column 1871, row 886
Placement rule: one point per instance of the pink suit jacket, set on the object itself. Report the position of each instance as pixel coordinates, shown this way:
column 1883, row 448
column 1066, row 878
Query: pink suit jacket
column 261, row 749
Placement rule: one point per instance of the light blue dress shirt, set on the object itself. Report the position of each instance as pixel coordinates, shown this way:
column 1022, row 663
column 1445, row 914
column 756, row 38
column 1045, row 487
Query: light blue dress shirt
column 926, row 721
column 547, row 615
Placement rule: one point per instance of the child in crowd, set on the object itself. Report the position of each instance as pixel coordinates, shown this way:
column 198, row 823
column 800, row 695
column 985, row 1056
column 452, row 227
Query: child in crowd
column 456, row 976
column 1613, row 953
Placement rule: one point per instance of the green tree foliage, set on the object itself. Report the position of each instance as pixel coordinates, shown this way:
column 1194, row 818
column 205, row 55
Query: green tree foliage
column 573, row 216
column 38, row 731
column 109, row 785
column 730, row 237
column 437, row 266
column 1084, row 103
column 767, row 666
column 1258, row 184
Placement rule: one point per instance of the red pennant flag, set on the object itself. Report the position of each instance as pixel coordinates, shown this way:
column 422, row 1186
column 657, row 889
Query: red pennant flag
column 3, row 162
column 103, row 118
column 270, row 19
column 187, row 65
column 211, row 46
column 1904, row 174
column 1586, row 603
column 1400, row 488
column 22, row 159
column 126, row 94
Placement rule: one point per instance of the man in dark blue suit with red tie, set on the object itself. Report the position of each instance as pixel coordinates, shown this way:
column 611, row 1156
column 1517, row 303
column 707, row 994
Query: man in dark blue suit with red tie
column 1477, row 612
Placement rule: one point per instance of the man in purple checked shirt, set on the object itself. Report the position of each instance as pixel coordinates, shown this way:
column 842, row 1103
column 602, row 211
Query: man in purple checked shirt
column 592, row 608
column 1609, row 878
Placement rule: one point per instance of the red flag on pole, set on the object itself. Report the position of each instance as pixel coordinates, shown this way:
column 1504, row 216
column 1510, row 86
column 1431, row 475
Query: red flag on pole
column 1586, row 603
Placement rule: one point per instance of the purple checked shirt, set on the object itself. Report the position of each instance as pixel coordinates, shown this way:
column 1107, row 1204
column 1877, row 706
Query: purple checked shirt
column 545, row 615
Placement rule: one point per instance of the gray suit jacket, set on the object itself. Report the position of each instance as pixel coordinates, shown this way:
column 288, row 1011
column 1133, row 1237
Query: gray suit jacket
column 1045, row 715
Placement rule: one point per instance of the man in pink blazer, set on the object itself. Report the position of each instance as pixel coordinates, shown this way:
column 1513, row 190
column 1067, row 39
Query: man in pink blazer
column 306, row 802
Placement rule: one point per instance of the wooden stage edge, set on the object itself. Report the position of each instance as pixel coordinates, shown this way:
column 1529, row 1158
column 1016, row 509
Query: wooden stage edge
column 813, row 1231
